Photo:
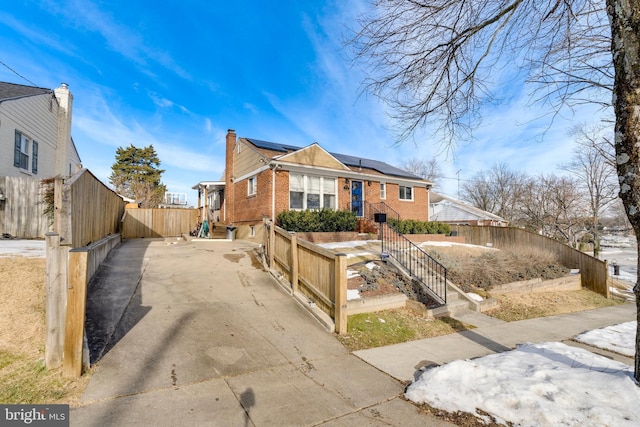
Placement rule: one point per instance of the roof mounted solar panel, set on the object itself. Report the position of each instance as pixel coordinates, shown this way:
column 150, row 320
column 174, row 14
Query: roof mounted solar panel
column 348, row 160
column 382, row 167
column 274, row 146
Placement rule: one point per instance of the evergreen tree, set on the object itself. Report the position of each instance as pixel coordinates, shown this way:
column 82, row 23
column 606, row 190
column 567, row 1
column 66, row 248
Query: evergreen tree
column 136, row 174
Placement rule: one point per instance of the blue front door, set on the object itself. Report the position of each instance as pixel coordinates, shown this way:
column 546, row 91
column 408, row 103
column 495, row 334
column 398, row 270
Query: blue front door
column 356, row 197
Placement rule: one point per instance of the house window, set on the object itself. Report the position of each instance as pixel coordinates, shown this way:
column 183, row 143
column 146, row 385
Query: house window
column 296, row 191
column 252, row 231
column 383, row 191
column 21, row 152
column 406, row 193
column 252, row 187
column 311, row 192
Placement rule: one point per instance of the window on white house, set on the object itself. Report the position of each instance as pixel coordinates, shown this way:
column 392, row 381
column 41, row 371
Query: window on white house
column 252, row 231
column 23, row 146
column 383, row 190
column 252, row 186
column 406, row 193
column 311, row 192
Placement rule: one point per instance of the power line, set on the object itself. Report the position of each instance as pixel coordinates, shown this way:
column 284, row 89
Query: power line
column 17, row 73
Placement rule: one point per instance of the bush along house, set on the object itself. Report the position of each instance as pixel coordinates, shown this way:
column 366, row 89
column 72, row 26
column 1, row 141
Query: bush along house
column 262, row 179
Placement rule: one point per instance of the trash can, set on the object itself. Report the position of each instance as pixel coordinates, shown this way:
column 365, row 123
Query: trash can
column 616, row 269
column 231, row 232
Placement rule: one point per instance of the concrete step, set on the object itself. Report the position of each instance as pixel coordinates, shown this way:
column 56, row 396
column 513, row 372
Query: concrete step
column 476, row 319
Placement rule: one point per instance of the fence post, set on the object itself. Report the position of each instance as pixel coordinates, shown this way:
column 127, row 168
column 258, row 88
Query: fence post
column 294, row 263
column 340, row 283
column 56, row 300
column 76, row 307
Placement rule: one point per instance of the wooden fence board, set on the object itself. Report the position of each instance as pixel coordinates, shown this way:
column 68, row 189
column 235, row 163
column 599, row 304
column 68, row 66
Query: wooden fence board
column 150, row 223
column 593, row 272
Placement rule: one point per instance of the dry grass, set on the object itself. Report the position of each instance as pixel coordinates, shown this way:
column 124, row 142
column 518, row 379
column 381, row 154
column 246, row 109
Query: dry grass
column 23, row 376
column 527, row 305
column 476, row 267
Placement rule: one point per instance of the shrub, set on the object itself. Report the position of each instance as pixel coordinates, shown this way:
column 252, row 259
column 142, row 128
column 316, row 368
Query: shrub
column 317, row 220
column 410, row 226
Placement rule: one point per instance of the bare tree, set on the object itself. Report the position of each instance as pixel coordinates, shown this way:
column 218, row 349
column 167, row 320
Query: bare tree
column 426, row 169
column 435, row 61
column 496, row 190
column 594, row 169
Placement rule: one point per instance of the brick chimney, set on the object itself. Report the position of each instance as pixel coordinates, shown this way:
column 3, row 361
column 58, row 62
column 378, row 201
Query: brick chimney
column 63, row 152
column 228, row 176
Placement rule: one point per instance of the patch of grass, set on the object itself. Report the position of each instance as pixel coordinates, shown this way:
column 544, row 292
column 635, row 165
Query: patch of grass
column 23, row 380
column 369, row 330
column 522, row 305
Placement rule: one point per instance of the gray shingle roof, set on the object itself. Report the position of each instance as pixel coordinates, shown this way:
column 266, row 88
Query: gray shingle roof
column 13, row 91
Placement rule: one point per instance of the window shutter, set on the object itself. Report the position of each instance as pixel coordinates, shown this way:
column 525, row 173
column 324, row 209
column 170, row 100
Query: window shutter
column 16, row 151
column 34, row 158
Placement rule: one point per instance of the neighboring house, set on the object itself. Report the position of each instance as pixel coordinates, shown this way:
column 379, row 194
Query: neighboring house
column 451, row 211
column 35, row 132
column 35, row 143
column 263, row 178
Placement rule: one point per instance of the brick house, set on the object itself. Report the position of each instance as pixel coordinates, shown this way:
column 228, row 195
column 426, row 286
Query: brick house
column 264, row 178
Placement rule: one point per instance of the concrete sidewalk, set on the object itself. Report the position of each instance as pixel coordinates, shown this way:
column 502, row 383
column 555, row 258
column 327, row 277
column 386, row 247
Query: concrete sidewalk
column 197, row 334
column 407, row 360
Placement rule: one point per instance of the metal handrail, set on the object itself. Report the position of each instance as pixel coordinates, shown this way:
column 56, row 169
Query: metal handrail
column 424, row 269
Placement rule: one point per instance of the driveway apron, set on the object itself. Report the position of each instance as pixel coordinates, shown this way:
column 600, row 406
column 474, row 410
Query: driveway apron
column 208, row 338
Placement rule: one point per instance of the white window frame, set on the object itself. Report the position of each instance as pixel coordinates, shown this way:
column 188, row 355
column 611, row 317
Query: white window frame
column 252, row 186
column 321, row 194
column 383, row 191
column 402, row 196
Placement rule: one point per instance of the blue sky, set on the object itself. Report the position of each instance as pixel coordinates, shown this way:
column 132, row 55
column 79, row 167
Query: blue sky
column 179, row 74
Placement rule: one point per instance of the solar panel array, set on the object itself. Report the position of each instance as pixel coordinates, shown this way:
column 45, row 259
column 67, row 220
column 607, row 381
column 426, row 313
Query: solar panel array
column 352, row 161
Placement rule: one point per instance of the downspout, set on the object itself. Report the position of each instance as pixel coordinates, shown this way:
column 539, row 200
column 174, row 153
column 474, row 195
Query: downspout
column 273, row 167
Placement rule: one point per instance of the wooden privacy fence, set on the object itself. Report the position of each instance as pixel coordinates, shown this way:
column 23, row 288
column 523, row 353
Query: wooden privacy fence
column 320, row 275
column 22, row 210
column 86, row 210
column 593, row 272
column 86, row 227
column 169, row 222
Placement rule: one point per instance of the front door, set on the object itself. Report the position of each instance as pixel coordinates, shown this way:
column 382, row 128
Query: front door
column 356, row 198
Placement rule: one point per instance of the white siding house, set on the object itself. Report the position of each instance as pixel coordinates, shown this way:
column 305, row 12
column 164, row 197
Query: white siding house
column 35, row 144
column 35, row 132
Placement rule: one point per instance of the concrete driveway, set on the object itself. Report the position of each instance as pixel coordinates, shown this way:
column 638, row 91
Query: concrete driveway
column 197, row 334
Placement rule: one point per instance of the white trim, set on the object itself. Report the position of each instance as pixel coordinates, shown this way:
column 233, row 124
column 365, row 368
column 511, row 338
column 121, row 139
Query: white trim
column 253, row 179
column 359, row 176
column 250, row 174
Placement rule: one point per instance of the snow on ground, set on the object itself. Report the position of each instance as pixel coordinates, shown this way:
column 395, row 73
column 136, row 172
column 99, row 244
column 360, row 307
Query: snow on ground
column 545, row 384
column 621, row 250
column 27, row 248
column 358, row 254
column 619, row 338
column 353, row 294
column 350, row 244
